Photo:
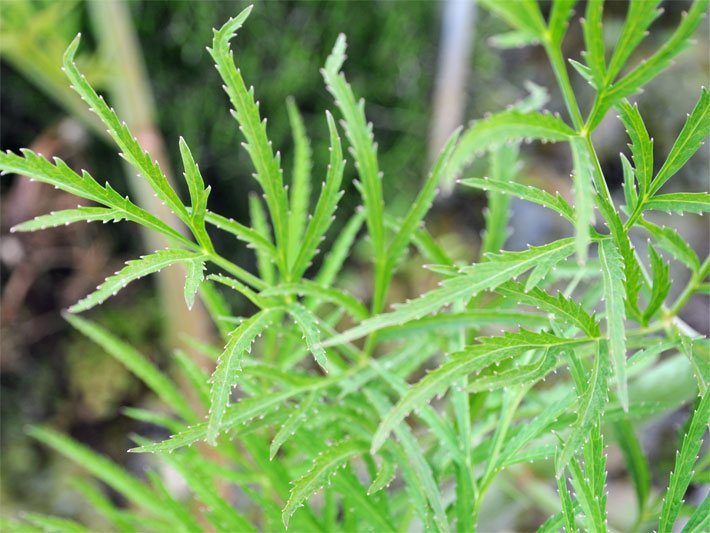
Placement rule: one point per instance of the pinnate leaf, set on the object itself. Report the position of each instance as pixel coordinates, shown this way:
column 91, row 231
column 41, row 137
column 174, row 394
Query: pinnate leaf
column 148, row 264
column 683, row 469
column 497, row 269
column 324, row 466
column 612, row 268
column 229, row 366
column 69, row 216
column 472, row 359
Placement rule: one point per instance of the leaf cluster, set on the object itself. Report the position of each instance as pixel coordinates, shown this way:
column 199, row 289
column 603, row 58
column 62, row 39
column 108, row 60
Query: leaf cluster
column 320, row 411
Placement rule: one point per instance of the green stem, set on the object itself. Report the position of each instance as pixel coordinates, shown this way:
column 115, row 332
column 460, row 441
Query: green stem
column 554, row 54
column 695, row 280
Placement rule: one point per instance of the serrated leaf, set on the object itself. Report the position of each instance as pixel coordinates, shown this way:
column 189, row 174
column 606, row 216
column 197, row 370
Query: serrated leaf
column 364, row 149
column 683, row 469
column 136, row 363
column 473, row 319
column 130, row 148
column 641, row 144
column 661, row 284
column 639, row 17
column 229, row 366
column 147, row 264
column 524, row 192
column 567, row 507
column 594, row 41
column 64, row 178
column 195, row 275
column 612, row 268
column 593, row 514
column 70, row 216
column 323, row 467
column 560, row 307
column 681, row 202
column 292, row 424
column 504, row 127
column 651, row 67
column 630, row 192
column 421, row 205
column 590, row 407
column 385, row 475
column 240, row 413
column 474, row 358
column 673, row 243
column 698, row 353
column 582, row 70
column 425, row 480
column 519, row 375
column 325, row 206
column 300, row 189
column 308, row 323
column 559, row 20
column 246, row 112
column 691, row 138
column 195, row 183
column 497, row 269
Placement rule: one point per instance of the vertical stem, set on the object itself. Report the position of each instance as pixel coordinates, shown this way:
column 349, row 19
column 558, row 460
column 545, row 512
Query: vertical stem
column 560, row 70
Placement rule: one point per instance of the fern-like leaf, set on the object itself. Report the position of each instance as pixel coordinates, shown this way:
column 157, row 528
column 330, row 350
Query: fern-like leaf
column 325, row 206
column 613, row 280
column 246, row 112
column 324, row 466
column 683, row 469
column 681, row 202
column 229, row 366
column 195, row 275
column 691, row 138
column 474, row 358
column 308, row 323
column 524, row 192
column 59, row 175
column 131, row 149
column 641, row 144
column 147, row 264
column 364, row 149
column 300, row 189
column 292, row 423
column 591, row 407
column 496, row 270
column 503, row 127
column 70, row 216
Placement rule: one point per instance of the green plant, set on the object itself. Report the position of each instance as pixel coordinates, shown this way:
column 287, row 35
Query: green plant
column 301, row 429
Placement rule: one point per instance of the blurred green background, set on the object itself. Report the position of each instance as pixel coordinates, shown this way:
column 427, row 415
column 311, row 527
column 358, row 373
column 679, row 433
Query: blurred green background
column 52, row 375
